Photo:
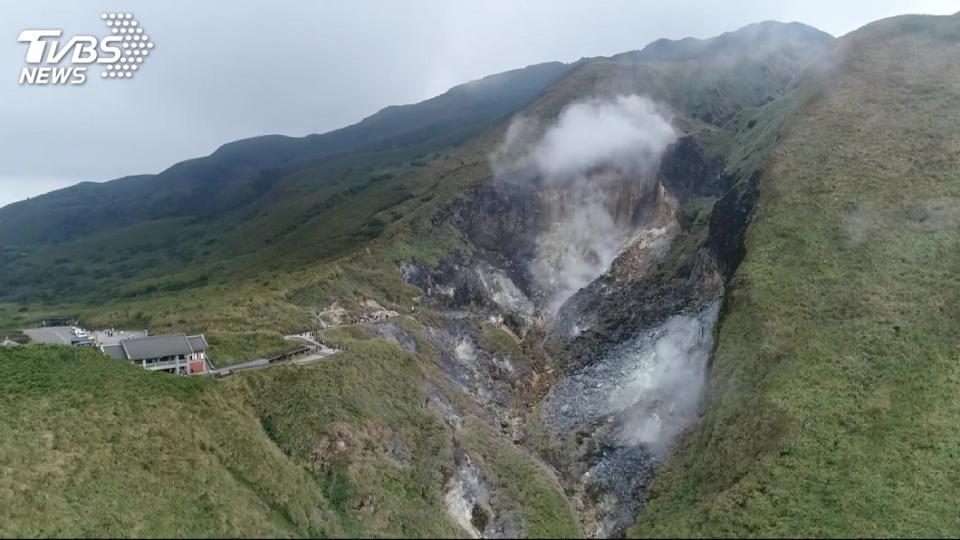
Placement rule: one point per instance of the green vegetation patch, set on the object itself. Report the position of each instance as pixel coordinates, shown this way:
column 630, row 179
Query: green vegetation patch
column 500, row 341
column 90, row 446
column 358, row 422
column 229, row 348
column 520, row 483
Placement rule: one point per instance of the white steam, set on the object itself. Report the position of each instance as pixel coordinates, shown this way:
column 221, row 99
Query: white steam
column 660, row 396
column 597, row 155
column 628, row 133
column 650, row 386
column 579, row 246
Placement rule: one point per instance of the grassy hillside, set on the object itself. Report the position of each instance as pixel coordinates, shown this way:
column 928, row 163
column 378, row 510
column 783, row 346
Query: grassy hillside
column 298, row 256
column 833, row 405
column 832, row 408
column 229, row 348
column 242, row 171
column 785, row 41
column 263, row 204
column 360, row 424
column 249, row 237
column 93, row 447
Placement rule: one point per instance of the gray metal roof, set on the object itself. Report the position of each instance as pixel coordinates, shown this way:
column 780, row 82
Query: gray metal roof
column 156, row 347
column 114, row 351
column 198, row 343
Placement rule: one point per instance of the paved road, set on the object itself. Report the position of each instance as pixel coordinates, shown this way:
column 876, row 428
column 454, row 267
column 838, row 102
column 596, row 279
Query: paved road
column 53, row 335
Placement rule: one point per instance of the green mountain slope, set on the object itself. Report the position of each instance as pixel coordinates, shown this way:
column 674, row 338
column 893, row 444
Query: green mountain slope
column 832, row 395
column 239, row 172
column 91, row 447
column 790, row 40
column 268, row 213
column 833, row 402
column 94, row 239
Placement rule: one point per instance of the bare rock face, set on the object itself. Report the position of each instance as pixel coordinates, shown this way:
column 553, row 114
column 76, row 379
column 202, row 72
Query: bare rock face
column 589, row 224
column 502, row 220
column 686, row 170
column 552, row 238
column 496, row 380
column 467, row 496
column 622, row 297
column 729, row 220
column 650, row 242
column 627, row 405
column 462, row 282
column 393, row 333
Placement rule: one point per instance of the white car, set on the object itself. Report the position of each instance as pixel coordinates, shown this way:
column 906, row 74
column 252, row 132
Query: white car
column 80, row 332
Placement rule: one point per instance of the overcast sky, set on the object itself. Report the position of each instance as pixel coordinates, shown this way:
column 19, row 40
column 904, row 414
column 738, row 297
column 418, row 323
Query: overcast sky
column 221, row 71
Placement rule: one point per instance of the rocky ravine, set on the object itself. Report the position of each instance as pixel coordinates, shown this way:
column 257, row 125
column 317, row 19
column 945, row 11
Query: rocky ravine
column 612, row 373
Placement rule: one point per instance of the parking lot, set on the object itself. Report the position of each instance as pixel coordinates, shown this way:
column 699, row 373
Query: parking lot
column 55, row 335
column 63, row 335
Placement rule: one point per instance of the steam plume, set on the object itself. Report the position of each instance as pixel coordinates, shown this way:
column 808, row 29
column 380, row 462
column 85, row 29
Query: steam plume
column 595, row 159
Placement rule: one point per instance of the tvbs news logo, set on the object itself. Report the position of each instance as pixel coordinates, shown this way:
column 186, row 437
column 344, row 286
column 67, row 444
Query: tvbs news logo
column 52, row 59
